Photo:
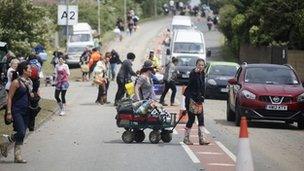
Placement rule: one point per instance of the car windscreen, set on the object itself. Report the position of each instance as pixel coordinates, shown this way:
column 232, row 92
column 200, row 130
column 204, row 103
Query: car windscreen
column 181, row 27
column 223, row 70
column 186, row 61
column 73, row 50
column 194, row 48
column 271, row 75
column 80, row 38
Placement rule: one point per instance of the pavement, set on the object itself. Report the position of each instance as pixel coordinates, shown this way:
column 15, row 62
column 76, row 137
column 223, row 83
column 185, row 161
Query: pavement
column 87, row 137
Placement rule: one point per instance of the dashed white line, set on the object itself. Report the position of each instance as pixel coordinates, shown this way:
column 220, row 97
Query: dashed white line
column 210, row 153
column 190, row 153
column 226, row 150
column 220, row 164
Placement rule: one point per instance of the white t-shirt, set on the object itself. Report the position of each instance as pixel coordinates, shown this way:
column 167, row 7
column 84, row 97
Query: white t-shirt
column 9, row 78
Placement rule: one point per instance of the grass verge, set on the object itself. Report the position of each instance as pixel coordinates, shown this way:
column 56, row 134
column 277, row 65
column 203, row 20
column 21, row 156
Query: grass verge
column 49, row 108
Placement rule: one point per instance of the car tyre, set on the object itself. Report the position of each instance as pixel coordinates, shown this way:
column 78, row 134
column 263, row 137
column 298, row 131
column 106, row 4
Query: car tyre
column 300, row 124
column 229, row 113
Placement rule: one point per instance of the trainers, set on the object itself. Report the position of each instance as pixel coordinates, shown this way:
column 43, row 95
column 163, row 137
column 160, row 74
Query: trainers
column 6, row 138
column 61, row 113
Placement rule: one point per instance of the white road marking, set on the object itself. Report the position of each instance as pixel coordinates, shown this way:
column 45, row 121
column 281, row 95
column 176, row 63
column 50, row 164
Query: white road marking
column 204, row 129
column 193, row 135
column 190, row 153
column 175, row 132
column 220, row 164
column 226, row 150
column 210, row 153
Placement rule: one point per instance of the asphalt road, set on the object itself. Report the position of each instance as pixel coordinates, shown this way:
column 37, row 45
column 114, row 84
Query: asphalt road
column 87, row 137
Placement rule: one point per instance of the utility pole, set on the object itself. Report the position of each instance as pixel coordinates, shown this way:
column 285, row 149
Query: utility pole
column 125, row 11
column 67, row 24
column 155, row 8
column 98, row 1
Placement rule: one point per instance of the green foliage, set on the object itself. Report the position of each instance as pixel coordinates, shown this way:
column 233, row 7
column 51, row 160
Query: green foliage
column 259, row 22
column 23, row 25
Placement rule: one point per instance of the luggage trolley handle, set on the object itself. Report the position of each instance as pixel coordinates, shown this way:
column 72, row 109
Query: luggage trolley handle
column 179, row 119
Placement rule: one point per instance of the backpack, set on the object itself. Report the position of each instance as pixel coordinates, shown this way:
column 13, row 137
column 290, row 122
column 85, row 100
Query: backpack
column 35, row 68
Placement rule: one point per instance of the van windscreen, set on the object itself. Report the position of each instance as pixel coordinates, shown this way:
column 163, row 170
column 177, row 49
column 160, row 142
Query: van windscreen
column 80, row 38
column 195, row 48
column 181, row 27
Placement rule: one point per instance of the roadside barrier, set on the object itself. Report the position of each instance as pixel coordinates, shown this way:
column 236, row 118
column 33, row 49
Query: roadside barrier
column 182, row 108
column 244, row 158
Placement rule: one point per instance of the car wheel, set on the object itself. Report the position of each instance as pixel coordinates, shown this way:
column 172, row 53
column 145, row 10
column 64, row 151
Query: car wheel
column 166, row 136
column 237, row 115
column 300, row 124
column 229, row 113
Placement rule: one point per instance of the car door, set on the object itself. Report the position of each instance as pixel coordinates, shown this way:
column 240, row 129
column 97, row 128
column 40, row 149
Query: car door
column 233, row 89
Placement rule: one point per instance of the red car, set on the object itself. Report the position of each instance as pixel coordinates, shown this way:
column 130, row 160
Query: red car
column 266, row 92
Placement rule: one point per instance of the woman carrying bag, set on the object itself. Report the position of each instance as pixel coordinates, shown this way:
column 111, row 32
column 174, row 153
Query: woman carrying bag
column 18, row 109
column 100, row 78
column 194, row 94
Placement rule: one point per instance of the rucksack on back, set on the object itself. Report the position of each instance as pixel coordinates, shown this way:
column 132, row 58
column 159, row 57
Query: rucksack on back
column 35, row 68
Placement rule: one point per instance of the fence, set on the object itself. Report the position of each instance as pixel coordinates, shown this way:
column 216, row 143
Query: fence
column 273, row 55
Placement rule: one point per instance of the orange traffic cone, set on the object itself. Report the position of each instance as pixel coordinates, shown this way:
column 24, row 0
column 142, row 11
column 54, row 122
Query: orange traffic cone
column 244, row 158
column 182, row 109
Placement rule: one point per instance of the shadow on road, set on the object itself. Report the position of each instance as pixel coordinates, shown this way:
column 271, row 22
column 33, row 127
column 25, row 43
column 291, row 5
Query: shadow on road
column 260, row 124
column 161, row 144
column 7, row 162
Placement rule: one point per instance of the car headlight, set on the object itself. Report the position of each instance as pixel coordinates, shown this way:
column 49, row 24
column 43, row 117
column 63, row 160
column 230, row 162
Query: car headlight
column 212, row 82
column 248, row 95
column 300, row 98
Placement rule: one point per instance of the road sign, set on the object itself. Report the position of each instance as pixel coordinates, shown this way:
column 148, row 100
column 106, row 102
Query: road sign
column 70, row 13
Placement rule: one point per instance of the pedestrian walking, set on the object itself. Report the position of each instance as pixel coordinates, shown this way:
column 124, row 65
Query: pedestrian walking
column 124, row 76
column 155, row 60
column 114, row 61
column 83, row 62
column 62, row 73
column 169, row 79
column 144, row 84
column 13, row 66
column 94, row 58
column 17, row 109
column 194, row 94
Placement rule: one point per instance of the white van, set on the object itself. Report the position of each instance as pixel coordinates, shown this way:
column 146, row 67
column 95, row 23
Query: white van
column 188, row 43
column 181, row 22
column 82, row 35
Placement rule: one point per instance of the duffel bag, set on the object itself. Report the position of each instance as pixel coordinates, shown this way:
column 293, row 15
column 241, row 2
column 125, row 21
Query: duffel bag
column 125, row 106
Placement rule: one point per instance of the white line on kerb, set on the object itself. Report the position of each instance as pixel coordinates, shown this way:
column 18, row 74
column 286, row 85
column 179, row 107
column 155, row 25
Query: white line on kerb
column 220, row 164
column 226, row 150
column 190, row 153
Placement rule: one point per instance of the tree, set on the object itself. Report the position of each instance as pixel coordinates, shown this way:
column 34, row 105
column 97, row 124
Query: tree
column 23, row 25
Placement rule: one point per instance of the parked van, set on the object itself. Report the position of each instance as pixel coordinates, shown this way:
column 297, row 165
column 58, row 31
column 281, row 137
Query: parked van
column 181, row 22
column 188, row 43
column 82, row 35
column 73, row 54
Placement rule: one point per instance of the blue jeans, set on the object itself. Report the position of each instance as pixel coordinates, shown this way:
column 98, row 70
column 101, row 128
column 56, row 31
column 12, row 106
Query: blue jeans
column 113, row 69
column 21, row 121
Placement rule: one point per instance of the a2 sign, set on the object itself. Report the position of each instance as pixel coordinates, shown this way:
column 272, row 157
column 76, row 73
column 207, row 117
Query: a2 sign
column 70, row 13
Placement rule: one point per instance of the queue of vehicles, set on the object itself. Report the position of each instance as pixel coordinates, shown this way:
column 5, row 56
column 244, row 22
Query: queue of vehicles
column 257, row 91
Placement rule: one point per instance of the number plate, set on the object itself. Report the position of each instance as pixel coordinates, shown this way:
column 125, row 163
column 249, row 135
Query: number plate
column 185, row 76
column 224, row 90
column 276, row 107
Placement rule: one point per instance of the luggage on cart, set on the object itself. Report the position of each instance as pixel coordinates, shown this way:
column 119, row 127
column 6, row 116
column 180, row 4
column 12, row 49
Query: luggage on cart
column 125, row 106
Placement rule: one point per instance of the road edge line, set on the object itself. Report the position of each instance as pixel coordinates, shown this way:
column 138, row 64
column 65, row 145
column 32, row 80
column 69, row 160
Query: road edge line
column 226, row 150
column 190, row 153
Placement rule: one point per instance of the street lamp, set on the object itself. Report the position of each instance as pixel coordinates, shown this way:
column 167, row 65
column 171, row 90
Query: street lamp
column 98, row 1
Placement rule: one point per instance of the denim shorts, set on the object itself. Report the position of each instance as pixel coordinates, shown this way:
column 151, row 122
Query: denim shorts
column 62, row 86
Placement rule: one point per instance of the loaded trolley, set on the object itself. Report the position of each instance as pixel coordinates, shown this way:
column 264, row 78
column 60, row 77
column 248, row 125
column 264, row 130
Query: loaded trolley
column 136, row 117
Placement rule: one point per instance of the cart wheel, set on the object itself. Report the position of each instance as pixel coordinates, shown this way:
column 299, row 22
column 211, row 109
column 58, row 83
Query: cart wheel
column 128, row 136
column 154, row 137
column 139, row 136
column 166, row 136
